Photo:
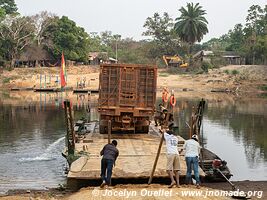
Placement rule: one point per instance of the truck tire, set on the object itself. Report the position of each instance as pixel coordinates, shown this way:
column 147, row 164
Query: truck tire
column 103, row 129
column 141, row 129
column 145, row 129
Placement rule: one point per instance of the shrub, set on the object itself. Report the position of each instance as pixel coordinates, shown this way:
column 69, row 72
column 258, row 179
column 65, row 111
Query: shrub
column 173, row 70
column 163, row 75
column 263, row 87
column 206, row 66
column 226, row 71
column 6, row 80
column 235, row 72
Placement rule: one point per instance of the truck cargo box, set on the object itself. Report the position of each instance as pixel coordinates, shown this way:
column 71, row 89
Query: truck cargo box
column 127, row 95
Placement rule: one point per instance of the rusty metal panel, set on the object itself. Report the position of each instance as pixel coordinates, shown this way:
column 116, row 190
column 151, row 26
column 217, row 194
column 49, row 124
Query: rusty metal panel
column 127, row 85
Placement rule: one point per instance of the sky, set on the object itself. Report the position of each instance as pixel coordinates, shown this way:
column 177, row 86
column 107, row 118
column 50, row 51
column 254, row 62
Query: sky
column 126, row 18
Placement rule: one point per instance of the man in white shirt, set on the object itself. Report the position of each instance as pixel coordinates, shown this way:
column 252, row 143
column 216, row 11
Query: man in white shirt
column 192, row 149
column 173, row 160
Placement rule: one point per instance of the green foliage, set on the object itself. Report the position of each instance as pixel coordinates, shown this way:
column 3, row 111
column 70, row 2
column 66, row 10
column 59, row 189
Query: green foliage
column 16, row 33
column 263, row 87
column 205, row 66
column 249, row 41
column 235, row 72
column 9, row 6
column 191, row 26
column 163, row 74
column 62, row 187
column 226, row 71
column 167, row 37
column 67, row 37
column 6, row 80
column 130, row 51
column 217, row 61
column 165, row 40
column 174, row 70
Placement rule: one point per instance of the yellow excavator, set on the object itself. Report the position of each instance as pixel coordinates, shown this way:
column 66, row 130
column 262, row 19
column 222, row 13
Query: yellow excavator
column 174, row 61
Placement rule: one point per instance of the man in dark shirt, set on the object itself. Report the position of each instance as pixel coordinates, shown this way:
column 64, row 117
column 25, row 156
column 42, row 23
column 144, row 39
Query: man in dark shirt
column 110, row 154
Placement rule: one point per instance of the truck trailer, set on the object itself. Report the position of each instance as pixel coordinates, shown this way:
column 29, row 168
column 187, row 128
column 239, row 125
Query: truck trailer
column 127, row 96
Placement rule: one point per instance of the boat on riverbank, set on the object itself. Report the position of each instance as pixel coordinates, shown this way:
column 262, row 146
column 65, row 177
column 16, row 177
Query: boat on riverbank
column 209, row 162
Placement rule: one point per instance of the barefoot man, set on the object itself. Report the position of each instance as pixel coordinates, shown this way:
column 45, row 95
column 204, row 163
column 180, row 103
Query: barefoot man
column 173, row 160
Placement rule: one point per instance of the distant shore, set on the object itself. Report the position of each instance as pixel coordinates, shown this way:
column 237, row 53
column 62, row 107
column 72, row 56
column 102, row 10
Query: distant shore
column 235, row 79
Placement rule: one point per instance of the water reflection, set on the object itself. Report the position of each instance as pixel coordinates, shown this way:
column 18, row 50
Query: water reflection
column 32, row 129
column 235, row 130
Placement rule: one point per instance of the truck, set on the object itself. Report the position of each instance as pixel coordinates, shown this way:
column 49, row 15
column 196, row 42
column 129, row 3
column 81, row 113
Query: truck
column 127, row 96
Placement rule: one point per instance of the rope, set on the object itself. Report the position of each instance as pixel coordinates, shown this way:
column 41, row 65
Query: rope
column 87, row 157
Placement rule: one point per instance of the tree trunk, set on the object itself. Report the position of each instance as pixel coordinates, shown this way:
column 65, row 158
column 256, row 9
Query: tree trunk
column 12, row 64
column 190, row 61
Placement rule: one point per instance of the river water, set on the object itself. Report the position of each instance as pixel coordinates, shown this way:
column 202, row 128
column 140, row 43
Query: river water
column 32, row 128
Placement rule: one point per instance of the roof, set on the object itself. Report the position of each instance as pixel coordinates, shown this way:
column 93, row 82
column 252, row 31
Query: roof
column 94, row 55
column 34, row 52
column 230, row 54
column 112, row 59
column 203, row 53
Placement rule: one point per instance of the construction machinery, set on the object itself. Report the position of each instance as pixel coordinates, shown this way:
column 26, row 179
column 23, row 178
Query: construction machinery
column 174, row 61
column 127, row 96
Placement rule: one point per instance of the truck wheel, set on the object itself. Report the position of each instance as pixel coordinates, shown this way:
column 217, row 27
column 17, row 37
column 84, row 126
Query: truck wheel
column 103, row 129
column 145, row 129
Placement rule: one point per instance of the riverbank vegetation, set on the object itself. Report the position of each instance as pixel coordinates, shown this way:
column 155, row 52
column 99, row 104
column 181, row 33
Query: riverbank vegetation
column 167, row 37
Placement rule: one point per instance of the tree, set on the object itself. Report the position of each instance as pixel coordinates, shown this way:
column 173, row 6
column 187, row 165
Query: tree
column 164, row 39
column 158, row 27
column 191, row 26
column 42, row 21
column 256, row 26
column 236, row 37
column 9, row 6
column 16, row 33
column 64, row 35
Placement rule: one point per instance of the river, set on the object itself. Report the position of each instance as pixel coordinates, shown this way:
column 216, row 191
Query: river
column 32, row 128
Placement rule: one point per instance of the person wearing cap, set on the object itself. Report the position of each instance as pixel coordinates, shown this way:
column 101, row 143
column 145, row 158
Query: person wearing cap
column 173, row 160
column 109, row 155
column 192, row 150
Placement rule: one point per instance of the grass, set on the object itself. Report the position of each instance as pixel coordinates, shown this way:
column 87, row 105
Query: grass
column 163, row 75
column 226, row 71
column 235, row 72
column 263, row 95
column 263, row 87
column 6, row 80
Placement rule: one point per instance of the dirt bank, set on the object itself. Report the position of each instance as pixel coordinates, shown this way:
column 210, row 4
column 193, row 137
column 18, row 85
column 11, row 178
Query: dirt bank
column 235, row 79
column 212, row 190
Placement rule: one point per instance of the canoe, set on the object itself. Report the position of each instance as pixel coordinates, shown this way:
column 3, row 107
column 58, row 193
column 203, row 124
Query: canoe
column 208, row 161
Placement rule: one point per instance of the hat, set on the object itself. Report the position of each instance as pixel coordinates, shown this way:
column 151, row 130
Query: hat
column 195, row 137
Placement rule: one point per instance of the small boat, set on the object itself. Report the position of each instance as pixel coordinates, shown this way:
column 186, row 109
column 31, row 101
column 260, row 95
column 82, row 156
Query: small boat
column 209, row 163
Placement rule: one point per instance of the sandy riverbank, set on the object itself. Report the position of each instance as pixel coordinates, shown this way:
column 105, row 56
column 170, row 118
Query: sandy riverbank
column 235, row 79
column 212, row 190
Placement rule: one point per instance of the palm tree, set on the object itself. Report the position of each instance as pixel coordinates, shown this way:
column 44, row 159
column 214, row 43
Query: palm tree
column 191, row 25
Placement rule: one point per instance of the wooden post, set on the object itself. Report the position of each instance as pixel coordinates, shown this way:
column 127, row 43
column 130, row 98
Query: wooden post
column 45, row 81
column 159, row 150
column 109, row 131
column 70, row 128
column 40, row 80
column 156, row 160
